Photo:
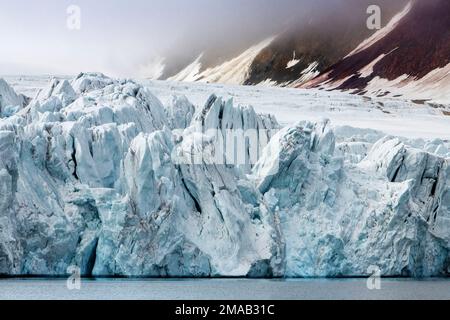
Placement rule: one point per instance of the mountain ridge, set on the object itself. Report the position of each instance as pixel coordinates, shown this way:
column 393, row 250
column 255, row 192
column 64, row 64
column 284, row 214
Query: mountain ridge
column 346, row 55
column 399, row 58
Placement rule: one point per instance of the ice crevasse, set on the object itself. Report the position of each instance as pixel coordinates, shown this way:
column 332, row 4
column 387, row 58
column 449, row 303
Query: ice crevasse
column 90, row 177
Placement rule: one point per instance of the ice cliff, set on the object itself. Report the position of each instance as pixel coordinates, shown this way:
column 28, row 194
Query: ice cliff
column 97, row 173
column 10, row 102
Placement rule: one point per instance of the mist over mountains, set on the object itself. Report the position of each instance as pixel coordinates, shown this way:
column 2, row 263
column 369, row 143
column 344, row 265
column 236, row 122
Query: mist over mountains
column 296, row 25
column 412, row 55
column 331, row 47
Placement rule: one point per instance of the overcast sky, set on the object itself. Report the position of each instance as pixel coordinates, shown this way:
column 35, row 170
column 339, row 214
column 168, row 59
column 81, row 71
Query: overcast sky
column 129, row 37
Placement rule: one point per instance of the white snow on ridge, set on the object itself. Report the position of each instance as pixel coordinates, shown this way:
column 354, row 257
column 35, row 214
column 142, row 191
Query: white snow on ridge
column 293, row 62
column 307, row 74
column 190, row 73
column 433, row 87
column 380, row 34
column 368, row 70
column 268, row 83
column 234, row 71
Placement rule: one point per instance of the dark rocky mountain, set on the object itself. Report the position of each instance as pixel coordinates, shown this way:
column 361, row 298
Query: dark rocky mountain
column 409, row 56
column 416, row 45
column 313, row 41
column 318, row 44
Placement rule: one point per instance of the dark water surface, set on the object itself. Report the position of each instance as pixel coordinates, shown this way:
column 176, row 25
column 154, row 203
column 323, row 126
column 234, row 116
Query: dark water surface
column 223, row 289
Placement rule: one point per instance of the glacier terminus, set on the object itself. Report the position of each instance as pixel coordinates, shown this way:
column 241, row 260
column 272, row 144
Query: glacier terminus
column 102, row 174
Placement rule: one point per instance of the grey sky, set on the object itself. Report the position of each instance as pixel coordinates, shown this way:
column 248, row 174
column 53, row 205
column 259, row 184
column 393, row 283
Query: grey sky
column 125, row 38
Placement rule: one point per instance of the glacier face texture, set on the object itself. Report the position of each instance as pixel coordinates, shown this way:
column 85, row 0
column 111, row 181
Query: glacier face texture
column 97, row 173
column 10, row 102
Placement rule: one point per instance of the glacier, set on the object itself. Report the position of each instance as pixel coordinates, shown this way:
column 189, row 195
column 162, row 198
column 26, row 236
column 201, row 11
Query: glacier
column 10, row 101
column 100, row 174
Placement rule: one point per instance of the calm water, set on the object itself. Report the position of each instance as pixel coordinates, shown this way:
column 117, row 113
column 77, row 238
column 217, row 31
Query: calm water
column 226, row 289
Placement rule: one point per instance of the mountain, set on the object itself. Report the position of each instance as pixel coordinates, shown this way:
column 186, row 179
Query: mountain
column 409, row 57
column 234, row 71
column 311, row 43
column 307, row 48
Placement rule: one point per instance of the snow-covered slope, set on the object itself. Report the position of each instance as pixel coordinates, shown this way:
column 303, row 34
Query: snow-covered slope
column 234, row 71
column 100, row 174
column 408, row 58
column 308, row 44
column 380, row 34
column 191, row 73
